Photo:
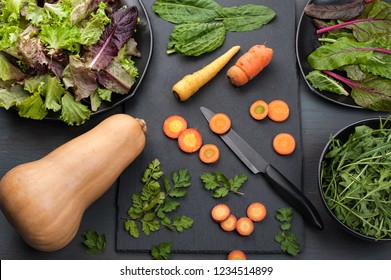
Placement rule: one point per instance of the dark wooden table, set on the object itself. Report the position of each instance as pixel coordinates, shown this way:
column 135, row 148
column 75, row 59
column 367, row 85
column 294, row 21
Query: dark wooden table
column 32, row 140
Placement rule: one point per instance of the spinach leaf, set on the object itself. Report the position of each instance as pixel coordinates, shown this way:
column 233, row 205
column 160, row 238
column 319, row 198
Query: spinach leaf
column 246, row 17
column 194, row 39
column 185, row 11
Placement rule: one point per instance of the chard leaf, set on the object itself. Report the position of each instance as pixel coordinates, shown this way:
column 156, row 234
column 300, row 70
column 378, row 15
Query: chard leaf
column 13, row 96
column 342, row 52
column 344, row 11
column 185, row 11
column 78, row 76
column 379, row 64
column 116, row 78
column 324, row 82
column 72, row 111
column 194, row 39
column 245, row 17
column 373, row 93
column 115, row 36
column 32, row 107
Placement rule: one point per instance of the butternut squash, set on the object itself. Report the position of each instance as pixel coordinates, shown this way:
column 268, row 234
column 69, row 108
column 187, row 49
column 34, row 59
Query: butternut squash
column 45, row 199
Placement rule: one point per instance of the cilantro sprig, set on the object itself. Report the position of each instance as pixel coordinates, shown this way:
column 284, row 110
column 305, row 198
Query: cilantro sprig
column 161, row 251
column 221, row 185
column 286, row 238
column 154, row 202
column 94, row 241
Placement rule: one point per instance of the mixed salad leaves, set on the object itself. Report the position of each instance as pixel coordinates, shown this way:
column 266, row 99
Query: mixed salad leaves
column 65, row 57
column 355, row 53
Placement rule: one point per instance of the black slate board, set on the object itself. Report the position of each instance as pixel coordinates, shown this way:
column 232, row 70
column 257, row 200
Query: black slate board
column 154, row 102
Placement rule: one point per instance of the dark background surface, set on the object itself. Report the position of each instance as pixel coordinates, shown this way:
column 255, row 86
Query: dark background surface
column 23, row 140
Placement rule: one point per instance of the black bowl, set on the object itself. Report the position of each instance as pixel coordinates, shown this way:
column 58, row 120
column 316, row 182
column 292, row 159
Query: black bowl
column 343, row 136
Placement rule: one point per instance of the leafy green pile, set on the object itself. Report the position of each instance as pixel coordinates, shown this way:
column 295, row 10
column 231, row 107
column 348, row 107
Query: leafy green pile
column 201, row 25
column 221, row 185
column 65, row 58
column 286, row 238
column 151, row 205
column 356, row 180
column 356, row 55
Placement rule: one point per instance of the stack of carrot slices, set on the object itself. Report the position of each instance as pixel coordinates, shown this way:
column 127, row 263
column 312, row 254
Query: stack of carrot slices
column 221, row 213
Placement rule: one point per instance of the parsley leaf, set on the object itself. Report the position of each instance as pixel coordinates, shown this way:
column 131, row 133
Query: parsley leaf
column 286, row 238
column 94, row 241
column 161, row 251
column 221, row 185
column 151, row 205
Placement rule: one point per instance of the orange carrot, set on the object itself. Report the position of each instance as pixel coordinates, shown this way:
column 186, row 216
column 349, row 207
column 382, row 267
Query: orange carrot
column 209, row 153
column 229, row 224
column 173, row 126
column 278, row 110
column 220, row 212
column 244, row 226
column 190, row 140
column 284, row 143
column 250, row 64
column 190, row 84
column 238, row 255
column 220, row 123
column 259, row 110
column 256, row 211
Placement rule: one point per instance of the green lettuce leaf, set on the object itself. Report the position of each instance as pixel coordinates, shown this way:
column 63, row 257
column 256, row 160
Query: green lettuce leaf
column 13, row 96
column 9, row 72
column 32, row 107
column 73, row 112
column 62, row 36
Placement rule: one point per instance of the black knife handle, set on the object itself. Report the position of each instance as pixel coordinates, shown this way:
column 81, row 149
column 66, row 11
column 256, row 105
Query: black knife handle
column 293, row 196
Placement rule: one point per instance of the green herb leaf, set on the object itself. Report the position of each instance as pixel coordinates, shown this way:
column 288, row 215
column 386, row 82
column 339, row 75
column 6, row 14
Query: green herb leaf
column 161, row 251
column 286, row 238
column 182, row 222
column 132, row 228
column 221, row 185
column 94, row 241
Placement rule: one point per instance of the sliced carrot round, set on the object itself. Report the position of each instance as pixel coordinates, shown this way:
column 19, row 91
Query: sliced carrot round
column 237, row 255
column 190, row 140
column 229, row 224
column 256, row 211
column 244, row 226
column 220, row 123
column 173, row 126
column 284, row 143
column 220, row 212
column 278, row 110
column 209, row 153
column 259, row 110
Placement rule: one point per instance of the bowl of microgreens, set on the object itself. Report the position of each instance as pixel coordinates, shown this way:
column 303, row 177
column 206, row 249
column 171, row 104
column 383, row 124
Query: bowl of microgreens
column 354, row 178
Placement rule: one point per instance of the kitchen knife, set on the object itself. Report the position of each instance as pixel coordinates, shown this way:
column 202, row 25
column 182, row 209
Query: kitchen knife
column 257, row 164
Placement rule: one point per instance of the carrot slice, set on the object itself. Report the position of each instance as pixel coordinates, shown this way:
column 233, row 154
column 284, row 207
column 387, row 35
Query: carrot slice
column 259, row 110
column 278, row 110
column 190, row 140
column 284, row 143
column 256, row 211
column 244, row 226
column 173, row 126
column 220, row 212
column 220, row 123
column 209, row 153
column 229, row 224
column 237, row 255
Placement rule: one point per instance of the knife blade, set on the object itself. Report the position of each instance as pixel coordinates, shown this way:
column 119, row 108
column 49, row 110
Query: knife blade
column 257, row 164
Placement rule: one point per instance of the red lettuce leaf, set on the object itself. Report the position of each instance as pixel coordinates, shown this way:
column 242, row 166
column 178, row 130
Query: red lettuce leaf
column 115, row 36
